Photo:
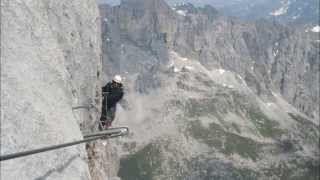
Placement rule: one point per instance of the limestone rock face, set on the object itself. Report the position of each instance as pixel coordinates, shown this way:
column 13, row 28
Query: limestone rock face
column 50, row 63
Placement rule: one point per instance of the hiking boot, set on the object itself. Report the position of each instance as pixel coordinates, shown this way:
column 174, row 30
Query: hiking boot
column 102, row 125
column 108, row 124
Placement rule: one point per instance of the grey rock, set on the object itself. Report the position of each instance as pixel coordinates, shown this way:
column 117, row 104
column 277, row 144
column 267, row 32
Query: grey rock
column 50, row 63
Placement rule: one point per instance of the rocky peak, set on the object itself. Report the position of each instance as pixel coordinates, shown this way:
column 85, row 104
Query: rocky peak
column 137, row 26
column 149, row 6
column 188, row 8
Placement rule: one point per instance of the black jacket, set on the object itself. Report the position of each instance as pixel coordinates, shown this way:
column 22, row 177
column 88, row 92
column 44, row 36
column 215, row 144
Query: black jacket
column 114, row 93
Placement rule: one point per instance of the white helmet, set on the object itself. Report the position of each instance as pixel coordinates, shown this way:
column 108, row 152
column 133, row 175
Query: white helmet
column 117, row 79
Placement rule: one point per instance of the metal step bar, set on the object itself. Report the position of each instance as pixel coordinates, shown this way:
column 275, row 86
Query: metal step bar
column 109, row 133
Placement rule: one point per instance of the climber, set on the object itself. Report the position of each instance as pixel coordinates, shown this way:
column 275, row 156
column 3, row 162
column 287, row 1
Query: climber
column 112, row 94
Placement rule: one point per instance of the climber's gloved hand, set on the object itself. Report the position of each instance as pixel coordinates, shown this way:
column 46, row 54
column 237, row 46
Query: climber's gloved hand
column 105, row 93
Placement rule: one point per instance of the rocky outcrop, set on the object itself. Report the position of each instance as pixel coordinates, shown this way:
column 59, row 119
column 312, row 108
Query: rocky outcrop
column 50, row 63
column 103, row 159
column 131, row 28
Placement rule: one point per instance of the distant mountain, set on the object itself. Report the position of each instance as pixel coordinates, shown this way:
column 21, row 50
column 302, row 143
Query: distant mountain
column 212, row 97
column 110, row 2
column 285, row 11
column 215, row 3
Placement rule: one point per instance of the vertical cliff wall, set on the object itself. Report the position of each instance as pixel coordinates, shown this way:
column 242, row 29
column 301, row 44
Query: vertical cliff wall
column 50, row 62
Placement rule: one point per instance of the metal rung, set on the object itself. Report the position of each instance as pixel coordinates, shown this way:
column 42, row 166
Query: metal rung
column 110, row 133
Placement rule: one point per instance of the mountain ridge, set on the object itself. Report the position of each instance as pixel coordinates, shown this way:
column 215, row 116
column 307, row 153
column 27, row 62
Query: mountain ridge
column 270, row 52
column 204, row 89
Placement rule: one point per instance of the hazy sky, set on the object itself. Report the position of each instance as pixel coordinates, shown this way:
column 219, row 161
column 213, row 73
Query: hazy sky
column 113, row 2
column 215, row 3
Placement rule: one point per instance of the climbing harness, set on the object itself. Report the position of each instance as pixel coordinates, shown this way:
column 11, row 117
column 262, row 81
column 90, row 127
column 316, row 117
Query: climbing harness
column 105, row 109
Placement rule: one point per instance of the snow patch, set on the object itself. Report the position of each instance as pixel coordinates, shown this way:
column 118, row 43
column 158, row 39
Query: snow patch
column 316, row 29
column 188, row 68
column 279, row 12
column 242, row 80
column 175, row 70
column 296, row 17
column 275, row 53
column 282, row 10
column 240, row 77
column 227, row 85
column 182, row 12
column 270, row 104
column 184, row 59
column 221, row 71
